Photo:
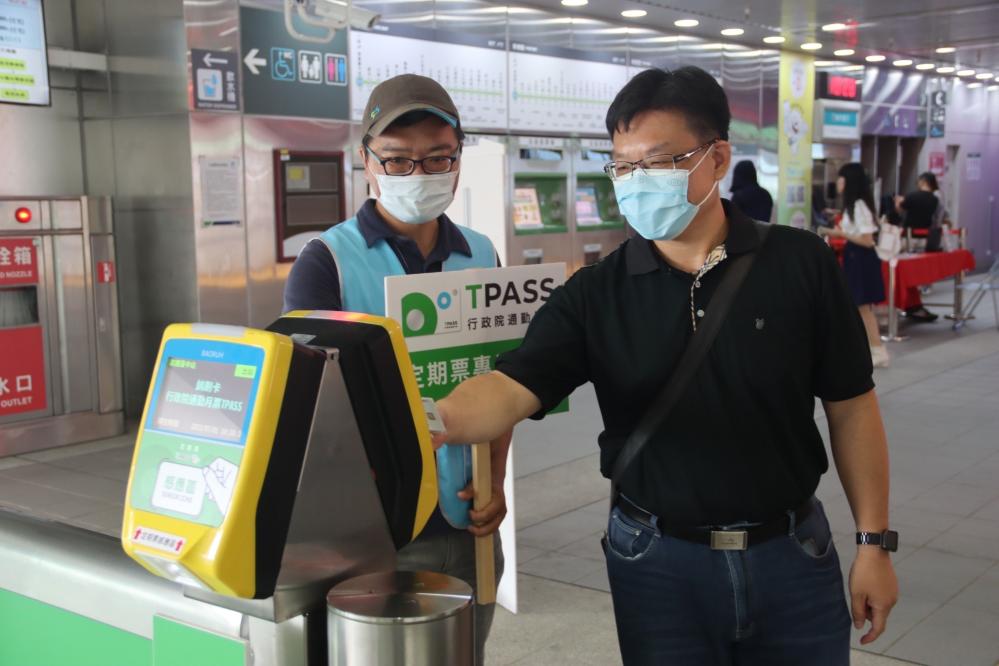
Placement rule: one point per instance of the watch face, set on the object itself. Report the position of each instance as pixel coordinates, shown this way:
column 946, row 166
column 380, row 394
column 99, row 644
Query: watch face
column 889, row 541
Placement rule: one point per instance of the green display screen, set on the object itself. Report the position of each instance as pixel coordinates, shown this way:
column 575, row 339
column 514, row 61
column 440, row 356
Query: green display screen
column 195, row 433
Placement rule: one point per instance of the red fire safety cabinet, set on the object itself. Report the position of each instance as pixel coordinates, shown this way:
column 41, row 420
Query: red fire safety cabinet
column 60, row 351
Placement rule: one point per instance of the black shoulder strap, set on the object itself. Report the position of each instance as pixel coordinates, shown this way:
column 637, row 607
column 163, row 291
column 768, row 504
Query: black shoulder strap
column 691, row 360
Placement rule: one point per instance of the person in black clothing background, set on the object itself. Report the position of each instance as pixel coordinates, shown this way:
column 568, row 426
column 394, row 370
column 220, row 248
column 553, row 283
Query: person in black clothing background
column 919, row 207
column 747, row 195
column 919, row 210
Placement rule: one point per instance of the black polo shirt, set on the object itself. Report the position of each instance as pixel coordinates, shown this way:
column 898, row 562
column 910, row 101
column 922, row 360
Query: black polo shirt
column 742, row 443
column 314, row 283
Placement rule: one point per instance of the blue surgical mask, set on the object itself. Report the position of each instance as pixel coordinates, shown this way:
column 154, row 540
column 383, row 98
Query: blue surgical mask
column 655, row 201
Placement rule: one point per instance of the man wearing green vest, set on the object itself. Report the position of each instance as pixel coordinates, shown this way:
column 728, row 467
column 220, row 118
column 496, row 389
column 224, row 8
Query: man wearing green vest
column 412, row 156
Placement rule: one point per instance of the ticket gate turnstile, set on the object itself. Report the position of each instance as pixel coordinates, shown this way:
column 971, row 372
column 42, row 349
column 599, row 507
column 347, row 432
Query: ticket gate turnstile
column 270, row 465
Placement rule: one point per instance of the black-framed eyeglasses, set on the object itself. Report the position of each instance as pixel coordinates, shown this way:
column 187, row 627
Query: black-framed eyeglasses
column 403, row 166
column 622, row 170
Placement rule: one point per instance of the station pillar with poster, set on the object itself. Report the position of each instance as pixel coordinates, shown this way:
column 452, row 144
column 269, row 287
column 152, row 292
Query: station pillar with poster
column 269, row 466
column 599, row 226
column 309, row 197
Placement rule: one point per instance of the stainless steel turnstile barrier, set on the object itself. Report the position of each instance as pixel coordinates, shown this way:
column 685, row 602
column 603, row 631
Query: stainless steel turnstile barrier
column 401, row 618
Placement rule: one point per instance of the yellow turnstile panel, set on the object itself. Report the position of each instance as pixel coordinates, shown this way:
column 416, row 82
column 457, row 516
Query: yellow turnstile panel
column 202, row 454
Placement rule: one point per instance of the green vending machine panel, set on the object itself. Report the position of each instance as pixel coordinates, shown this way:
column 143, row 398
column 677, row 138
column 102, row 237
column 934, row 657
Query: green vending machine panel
column 596, row 205
column 539, row 203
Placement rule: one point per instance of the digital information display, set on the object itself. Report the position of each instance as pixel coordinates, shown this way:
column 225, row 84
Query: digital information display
column 204, row 399
column 24, row 67
column 195, row 433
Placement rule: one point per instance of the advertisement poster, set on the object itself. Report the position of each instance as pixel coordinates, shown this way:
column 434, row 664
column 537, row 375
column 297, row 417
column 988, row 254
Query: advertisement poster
column 456, row 324
column 797, row 83
column 221, row 190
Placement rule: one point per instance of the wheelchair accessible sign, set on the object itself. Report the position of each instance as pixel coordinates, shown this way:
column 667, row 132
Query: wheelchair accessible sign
column 287, row 76
column 457, row 323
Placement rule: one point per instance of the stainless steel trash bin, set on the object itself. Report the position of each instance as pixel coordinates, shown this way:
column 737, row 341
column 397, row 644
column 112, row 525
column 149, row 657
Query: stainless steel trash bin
column 397, row 618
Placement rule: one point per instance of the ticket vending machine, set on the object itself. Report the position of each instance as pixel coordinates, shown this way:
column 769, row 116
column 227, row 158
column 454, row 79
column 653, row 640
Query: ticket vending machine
column 599, row 226
column 541, row 201
column 270, row 465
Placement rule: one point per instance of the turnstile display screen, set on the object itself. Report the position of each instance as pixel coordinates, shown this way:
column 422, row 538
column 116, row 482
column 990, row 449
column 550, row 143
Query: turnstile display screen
column 196, row 429
column 204, row 399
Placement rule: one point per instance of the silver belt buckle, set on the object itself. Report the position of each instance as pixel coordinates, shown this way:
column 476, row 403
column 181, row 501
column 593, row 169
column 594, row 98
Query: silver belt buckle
column 724, row 540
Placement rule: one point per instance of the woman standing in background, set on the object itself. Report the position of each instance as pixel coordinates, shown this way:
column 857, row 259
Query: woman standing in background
column 860, row 261
column 747, row 195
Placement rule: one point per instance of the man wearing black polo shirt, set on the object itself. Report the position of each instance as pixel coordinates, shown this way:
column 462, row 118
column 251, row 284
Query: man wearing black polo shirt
column 411, row 152
column 740, row 455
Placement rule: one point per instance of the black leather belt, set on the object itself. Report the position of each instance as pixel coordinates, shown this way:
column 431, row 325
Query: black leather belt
column 718, row 539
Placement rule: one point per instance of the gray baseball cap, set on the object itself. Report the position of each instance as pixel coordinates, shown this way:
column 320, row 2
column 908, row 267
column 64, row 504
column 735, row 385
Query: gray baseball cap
column 401, row 94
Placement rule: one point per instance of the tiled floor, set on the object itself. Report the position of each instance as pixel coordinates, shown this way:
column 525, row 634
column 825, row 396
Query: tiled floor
column 941, row 406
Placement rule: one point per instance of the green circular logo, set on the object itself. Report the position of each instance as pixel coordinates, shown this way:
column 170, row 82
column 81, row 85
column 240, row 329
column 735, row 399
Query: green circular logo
column 419, row 315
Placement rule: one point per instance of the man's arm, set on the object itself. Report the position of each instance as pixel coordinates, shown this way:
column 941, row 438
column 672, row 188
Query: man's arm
column 860, row 450
column 484, row 408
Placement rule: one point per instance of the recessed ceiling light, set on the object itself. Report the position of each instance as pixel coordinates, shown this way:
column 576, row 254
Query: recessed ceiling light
column 974, row 85
column 732, row 32
column 901, row 63
column 827, row 63
column 842, row 53
column 984, row 76
column 811, row 46
column 966, row 72
column 993, row 88
column 833, row 27
column 575, row 3
column 853, row 68
column 774, row 39
column 946, row 49
column 686, row 23
column 634, row 13
column 925, row 65
column 946, row 70
column 877, row 57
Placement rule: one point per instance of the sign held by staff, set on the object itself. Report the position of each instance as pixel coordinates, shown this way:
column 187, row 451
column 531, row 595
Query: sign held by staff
column 456, row 324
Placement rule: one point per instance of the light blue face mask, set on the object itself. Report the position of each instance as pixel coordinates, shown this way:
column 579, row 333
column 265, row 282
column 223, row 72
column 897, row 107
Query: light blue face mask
column 655, row 201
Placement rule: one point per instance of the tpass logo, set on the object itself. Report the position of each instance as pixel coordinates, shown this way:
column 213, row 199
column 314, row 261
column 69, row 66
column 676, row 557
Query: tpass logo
column 421, row 314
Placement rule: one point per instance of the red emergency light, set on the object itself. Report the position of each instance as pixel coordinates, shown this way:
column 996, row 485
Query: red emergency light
column 23, row 215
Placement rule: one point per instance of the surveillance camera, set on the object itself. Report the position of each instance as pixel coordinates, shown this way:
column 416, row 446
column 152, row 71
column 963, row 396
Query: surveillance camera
column 356, row 17
column 330, row 15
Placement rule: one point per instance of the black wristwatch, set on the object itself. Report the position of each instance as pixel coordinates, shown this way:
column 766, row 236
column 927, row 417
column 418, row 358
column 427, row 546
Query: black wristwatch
column 887, row 540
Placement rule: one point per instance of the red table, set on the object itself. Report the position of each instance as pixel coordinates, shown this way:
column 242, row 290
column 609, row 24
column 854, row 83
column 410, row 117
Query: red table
column 905, row 273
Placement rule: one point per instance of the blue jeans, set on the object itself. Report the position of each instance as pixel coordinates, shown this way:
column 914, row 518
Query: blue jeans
column 778, row 603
